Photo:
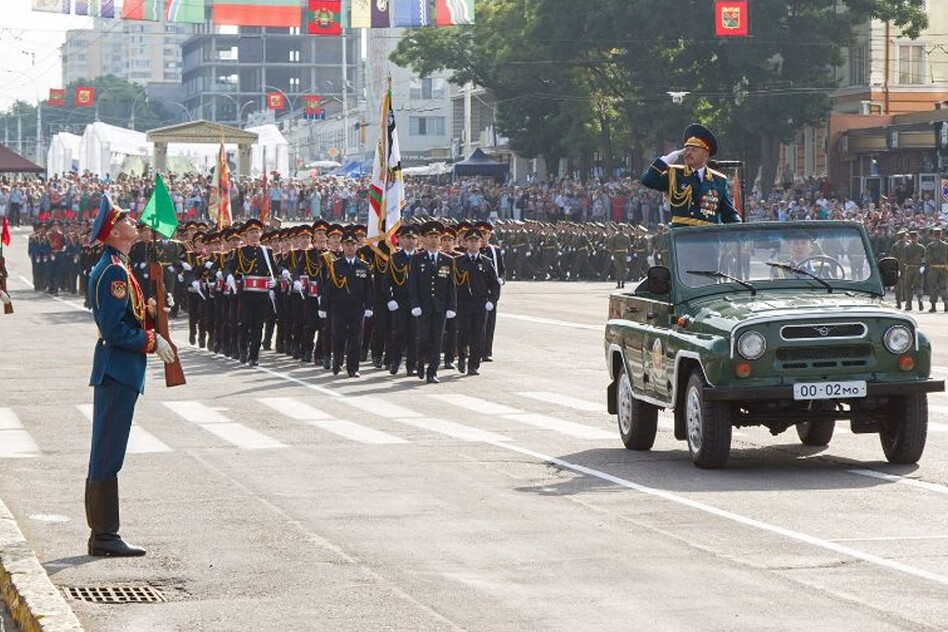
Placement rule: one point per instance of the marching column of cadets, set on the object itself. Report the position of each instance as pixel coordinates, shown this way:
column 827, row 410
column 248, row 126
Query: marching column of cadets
column 320, row 294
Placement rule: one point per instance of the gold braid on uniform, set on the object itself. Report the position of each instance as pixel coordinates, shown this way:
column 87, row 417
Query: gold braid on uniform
column 336, row 281
column 399, row 275
column 311, row 272
column 461, row 279
column 381, row 262
column 682, row 198
column 243, row 267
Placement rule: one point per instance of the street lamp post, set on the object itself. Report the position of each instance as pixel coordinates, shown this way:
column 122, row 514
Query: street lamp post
column 98, row 97
column 143, row 93
column 181, row 105
column 240, row 113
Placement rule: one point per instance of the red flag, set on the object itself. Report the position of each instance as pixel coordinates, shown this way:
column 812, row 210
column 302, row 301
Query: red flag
column 323, row 17
column 736, row 194
column 5, row 232
column 730, row 18
column 85, row 97
column 57, row 97
column 275, row 100
column 312, row 104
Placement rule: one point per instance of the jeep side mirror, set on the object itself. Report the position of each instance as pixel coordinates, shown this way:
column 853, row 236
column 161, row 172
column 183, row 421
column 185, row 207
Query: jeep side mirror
column 659, row 280
column 889, row 270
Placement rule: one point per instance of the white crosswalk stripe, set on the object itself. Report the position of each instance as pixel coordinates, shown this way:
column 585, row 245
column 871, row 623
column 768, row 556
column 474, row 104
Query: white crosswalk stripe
column 399, row 414
column 536, row 420
column 566, row 401
column 140, row 441
column 301, row 411
column 15, row 441
column 214, row 422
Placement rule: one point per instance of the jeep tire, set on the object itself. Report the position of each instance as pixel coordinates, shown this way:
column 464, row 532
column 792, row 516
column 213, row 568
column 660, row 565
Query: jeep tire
column 905, row 429
column 638, row 421
column 707, row 425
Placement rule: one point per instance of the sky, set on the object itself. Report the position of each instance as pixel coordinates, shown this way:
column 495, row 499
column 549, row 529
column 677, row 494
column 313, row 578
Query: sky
column 30, row 41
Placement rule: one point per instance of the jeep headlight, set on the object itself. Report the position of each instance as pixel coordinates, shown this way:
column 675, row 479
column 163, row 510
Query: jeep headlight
column 897, row 339
column 751, row 345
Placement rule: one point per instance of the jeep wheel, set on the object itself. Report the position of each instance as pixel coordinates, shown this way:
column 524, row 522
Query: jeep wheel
column 638, row 421
column 905, row 429
column 816, row 433
column 708, row 426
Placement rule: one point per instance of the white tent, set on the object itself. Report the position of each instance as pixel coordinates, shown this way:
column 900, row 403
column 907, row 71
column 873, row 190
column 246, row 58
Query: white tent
column 278, row 151
column 105, row 147
column 63, row 154
column 434, row 169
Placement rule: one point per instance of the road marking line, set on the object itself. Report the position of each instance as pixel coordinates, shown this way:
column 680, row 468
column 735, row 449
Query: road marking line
column 550, row 321
column 380, row 407
column 536, row 420
column 301, row 411
column 565, row 400
column 217, row 424
column 15, row 441
column 140, row 441
column 894, row 538
column 901, row 480
column 452, row 429
column 821, row 543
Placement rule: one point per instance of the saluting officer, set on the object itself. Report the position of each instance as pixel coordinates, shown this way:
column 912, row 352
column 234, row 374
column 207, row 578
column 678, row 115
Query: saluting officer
column 698, row 194
column 433, row 299
column 477, row 288
column 347, row 301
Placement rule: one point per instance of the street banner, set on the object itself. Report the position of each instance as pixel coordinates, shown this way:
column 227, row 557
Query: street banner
column 380, row 18
column 454, row 12
column 57, row 97
column 51, row 6
column 275, row 100
column 276, row 13
column 361, row 17
column 185, row 11
column 149, row 10
column 730, row 18
column 323, row 17
column 85, row 97
column 222, row 173
column 414, row 13
column 96, row 8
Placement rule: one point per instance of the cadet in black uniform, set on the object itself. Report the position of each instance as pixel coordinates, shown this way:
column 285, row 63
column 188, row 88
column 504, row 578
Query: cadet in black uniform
column 477, row 289
column 403, row 338
column 347, row 301
column 496, row 256
column 433, row 299
column 254, row 267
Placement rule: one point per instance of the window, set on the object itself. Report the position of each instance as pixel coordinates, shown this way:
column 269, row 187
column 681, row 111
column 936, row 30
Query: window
column 911, row 64
column 294, row 55
column 858, row 56
column 430, row 88
column 426, row 126
column 294, row 84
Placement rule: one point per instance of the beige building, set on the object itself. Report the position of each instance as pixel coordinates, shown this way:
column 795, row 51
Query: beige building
column 884, row 75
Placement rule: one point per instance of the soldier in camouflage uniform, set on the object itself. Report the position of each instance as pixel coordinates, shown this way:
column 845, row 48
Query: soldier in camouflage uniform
column 897, row 250
column 936, row 265
column 618, row 245
column 914, row 255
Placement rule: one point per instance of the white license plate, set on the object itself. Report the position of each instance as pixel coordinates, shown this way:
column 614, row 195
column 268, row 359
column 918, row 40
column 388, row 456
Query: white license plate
column 829, row 390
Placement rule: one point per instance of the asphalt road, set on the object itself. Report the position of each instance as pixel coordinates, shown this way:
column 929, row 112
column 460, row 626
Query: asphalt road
column 283, row 498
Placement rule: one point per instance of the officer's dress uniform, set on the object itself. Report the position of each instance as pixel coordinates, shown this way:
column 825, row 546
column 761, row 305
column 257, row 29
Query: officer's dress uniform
column 347, row 297
column 477, row 285
column 432, row 289
column 696, row 199
column 309, row 274
column 253, row 266
column 496, row 258
column 404, row 332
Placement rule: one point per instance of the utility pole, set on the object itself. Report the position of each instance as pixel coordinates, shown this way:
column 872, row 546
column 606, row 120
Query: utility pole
column 468, row 143
column 345, row 99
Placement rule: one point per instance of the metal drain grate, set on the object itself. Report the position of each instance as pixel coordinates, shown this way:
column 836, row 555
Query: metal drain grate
column 115, row 594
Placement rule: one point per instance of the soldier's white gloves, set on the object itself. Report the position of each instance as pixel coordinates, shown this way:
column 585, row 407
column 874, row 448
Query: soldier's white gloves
column 321, row 314
column 231, row 283
column 672, row 158
column 286, row 274
column 369, row 313
column 272, row 295
column 450, row 314
column 392, row 306
column 208, row 264
column 169, row 302
column 528, row 253
column 163, row 349
column 196, row 285
column 271, row 283
column 4, row 298
column 297, row 286
column 501, row 280
column 219, row 275
column 489, row 306
column 170, row 268
column 416, row 311
column 186, row 266
column 180, row 278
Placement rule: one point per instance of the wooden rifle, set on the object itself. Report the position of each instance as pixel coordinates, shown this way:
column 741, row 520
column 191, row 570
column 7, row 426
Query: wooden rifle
column 174, row 373
column 7, row 304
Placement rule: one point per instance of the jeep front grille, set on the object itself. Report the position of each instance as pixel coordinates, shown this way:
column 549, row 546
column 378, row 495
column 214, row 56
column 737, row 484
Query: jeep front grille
column 824, row 357
column 823, row 331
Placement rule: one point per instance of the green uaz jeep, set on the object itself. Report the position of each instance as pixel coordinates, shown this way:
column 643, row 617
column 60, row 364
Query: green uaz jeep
column 770, row 324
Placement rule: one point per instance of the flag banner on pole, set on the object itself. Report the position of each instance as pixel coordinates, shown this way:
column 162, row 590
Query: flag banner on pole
column 276, row 13
column 312, row 104
column 275, row 101
column 380, row 18
column 159, row 213
column 223, row 189
column 730, row 18
column 265, row 199
column 85, row 97
column 185, row 11
column 5, row 232
column 361, row 16
column 413, row 13
column 387, row 190
column 149, row 10
column 323, row 17
column 454, row 12
column 57, row 97
column 52, row 6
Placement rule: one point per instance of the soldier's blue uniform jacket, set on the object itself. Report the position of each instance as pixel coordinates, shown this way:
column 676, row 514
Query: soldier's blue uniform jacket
column 694, row 202
column 125, row 330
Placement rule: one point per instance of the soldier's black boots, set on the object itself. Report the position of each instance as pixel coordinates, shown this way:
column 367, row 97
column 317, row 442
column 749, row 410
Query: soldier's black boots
column 102, row 514
column 462, row 363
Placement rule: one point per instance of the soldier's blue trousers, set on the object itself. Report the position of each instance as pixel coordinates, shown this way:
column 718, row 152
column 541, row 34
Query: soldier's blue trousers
column 112, row 408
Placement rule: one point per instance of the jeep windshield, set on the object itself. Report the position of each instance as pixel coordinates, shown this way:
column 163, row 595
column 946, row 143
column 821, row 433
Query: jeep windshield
column 810, row 254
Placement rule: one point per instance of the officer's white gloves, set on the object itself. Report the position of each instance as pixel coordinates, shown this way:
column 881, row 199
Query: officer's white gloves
column 369, row 313
column 297, row 286
column 392, row 306
column 231, row 283
column 169, row 302
column 501, row 280
column 286, row 274
column 186, row 266
column 450, row 314
column 164, row 350
column 219, row 275
column 196, row 285
column 489, row 306
column 322, row 314
column 271, row 282
column 208, row 264
column 416, row 311
column 170, row 268
column 672, row 158
column 180, row 278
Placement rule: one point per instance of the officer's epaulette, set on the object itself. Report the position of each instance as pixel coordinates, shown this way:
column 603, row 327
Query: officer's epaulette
column 116, row 260
column 714, row 172
column 677, row 166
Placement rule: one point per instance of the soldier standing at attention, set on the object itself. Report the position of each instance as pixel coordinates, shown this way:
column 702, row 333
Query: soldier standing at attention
column 403, row 337
column 698, row 194
column 496, row 256
column 254, row 266
column 619, row 245
column 433, row 299
column 347, row 302
column 126, row 335
column 477, row 290
column 914, row 255
column 898, row 251
column 936, row 264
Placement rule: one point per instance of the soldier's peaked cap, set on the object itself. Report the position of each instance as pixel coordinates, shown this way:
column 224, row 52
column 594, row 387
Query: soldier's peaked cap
column 335, row 229
column 697, row 135
column 251, row 224
column 407, row 230
column 107, row 217
column 431, row 228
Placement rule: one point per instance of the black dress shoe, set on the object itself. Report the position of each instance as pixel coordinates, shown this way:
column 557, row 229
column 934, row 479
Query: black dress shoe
column 487, row 359
column 473, row 371
column 354, row 374
column 393, row 369
column 449, row 365
column 112, row 545
column 433, row 379
column 421, row 372
column 462, row 364
column 335, row 370
column 253, row 363
column 377, row 363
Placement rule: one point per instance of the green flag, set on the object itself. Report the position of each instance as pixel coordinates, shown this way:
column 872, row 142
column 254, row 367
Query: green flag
column 159, row 213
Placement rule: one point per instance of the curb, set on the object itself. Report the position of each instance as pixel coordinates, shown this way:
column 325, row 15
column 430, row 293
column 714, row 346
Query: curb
column 35, row 604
